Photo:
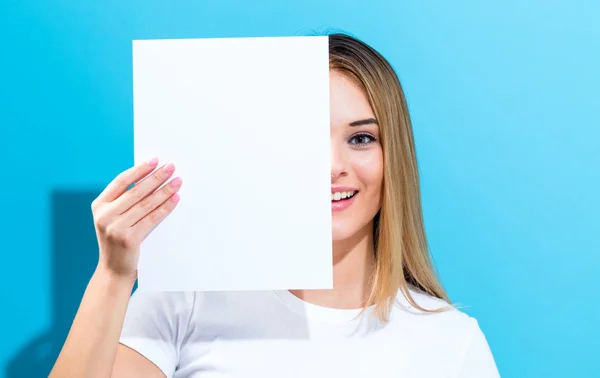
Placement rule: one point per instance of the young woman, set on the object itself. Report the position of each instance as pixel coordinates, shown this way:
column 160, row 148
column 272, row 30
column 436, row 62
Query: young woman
column 387, row 315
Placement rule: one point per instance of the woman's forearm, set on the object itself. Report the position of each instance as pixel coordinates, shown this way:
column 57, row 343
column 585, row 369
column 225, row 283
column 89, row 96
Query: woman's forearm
column 90, row 348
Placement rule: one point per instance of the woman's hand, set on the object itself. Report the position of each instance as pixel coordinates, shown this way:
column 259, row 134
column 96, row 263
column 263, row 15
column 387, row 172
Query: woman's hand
column 124, row 218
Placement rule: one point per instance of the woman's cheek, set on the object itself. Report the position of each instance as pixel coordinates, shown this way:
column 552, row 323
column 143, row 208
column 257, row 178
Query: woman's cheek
column 369, row 167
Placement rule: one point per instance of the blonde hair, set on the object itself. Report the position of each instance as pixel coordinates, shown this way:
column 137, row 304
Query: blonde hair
column 402, row 254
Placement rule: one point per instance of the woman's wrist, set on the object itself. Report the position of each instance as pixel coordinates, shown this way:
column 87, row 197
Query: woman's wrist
column 114, row 281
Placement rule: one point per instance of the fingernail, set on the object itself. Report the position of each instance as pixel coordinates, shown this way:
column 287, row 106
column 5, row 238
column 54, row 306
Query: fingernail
column 153, row 162
column 169, row 168
column 176, row 181
column 175, row 197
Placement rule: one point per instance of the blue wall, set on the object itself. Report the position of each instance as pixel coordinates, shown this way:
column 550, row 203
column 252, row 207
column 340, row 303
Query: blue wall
column 504, row 97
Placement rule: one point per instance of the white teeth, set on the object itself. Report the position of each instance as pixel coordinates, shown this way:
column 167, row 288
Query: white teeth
column 341, row 195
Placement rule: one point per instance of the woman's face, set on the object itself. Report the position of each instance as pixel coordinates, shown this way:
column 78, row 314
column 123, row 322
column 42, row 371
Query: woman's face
column 356, row 159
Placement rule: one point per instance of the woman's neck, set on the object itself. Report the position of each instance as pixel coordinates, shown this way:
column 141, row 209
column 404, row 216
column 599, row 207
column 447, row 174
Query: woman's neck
column 353, row 266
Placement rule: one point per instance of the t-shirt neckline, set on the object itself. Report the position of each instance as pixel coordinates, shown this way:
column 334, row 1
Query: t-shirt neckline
column 312, row 311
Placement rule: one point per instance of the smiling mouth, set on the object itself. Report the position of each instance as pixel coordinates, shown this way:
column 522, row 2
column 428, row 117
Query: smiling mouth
column 341, row 196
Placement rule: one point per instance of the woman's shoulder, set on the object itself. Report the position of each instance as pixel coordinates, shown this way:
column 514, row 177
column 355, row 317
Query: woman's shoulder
column 437, row 324
column 434, row 312
column 445, row 330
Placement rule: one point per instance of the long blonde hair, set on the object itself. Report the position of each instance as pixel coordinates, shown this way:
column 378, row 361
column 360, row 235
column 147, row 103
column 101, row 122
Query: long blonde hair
column 402, row 254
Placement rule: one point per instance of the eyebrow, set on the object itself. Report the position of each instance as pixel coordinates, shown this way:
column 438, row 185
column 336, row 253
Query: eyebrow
column 362, row 122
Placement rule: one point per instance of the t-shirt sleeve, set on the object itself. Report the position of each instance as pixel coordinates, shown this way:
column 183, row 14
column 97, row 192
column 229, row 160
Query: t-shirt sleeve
column 478, row 360
column 155, row 326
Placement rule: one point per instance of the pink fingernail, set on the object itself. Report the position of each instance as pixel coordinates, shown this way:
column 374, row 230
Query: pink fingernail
column 169, row 168
column 176, row 181
column 153, row 162
column 175, row 197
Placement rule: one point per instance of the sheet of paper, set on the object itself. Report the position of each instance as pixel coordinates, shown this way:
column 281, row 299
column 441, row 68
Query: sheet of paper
column 246, row 122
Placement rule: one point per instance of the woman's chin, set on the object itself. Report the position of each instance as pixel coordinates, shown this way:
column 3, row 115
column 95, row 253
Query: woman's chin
column 348, row 229
column 340, row 232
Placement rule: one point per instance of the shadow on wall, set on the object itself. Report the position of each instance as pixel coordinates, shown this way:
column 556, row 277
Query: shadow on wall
column 75, row 255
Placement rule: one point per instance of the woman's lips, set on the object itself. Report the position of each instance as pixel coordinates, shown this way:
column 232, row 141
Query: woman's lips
column 342, row 204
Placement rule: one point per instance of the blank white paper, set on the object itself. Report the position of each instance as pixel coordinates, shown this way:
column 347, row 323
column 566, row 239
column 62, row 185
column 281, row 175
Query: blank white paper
column 246, row 123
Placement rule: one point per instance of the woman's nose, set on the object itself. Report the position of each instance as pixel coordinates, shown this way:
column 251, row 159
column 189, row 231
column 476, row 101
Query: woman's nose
column 339, row 163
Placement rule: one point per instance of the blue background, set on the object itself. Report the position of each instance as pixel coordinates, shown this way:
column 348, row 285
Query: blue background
column 504, row 98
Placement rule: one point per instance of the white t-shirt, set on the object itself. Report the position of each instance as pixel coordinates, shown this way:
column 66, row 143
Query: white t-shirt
column 274, row 334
